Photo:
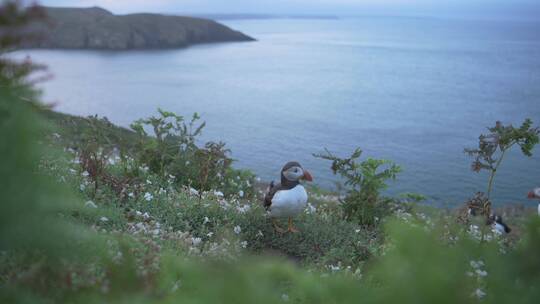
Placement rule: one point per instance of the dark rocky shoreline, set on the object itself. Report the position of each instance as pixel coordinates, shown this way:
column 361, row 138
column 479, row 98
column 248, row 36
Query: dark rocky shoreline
column 97, row 28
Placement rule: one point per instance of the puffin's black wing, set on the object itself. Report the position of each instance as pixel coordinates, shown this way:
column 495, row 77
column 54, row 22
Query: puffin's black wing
column 506, row 228
column 272, row 189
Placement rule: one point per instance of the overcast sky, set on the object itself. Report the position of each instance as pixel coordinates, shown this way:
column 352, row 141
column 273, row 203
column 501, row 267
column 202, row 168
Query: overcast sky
column 482, row 8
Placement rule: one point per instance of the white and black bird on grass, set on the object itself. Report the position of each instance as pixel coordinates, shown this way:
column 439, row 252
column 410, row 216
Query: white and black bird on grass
column 496, row 222
column 535, row 194
column 289, row 197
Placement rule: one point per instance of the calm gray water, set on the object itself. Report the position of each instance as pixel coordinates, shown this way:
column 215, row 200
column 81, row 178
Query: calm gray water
column 415, row 91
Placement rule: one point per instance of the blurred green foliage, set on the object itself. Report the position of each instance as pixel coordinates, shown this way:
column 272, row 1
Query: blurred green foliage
column 30, row 201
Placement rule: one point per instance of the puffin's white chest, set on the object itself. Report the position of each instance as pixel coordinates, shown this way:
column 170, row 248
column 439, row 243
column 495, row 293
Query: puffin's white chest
column 498, row 228
column 287, row 203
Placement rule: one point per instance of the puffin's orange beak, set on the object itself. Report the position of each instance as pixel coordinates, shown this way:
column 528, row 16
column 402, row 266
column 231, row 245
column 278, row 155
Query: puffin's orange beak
column 307, row 176
column 531, row 195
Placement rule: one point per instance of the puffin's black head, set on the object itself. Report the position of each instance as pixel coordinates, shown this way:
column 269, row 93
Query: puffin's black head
column 293, row 172
column 494, row 219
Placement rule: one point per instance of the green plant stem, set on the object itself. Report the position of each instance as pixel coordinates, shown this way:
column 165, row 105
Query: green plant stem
column 494, row 171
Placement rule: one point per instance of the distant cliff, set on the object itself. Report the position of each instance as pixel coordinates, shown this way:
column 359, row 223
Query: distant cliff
column 96, row 28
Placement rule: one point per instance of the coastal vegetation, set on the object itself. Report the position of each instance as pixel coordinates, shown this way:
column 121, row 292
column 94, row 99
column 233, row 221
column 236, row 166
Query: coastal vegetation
column 93, row 213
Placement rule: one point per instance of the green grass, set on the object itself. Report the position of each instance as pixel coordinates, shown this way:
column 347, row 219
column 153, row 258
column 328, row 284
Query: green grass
column 72, row 128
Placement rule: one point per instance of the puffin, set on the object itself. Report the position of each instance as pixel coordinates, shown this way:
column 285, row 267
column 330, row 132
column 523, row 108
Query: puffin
column 496, row 222
column 535, row 194
column 289, row 197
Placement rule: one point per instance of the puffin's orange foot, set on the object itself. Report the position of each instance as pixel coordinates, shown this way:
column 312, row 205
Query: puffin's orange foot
column 276, row 227
column 291, row 227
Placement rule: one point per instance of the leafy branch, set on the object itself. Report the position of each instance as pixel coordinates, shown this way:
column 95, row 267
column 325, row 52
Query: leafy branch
column 365, row 181
column 493, row 147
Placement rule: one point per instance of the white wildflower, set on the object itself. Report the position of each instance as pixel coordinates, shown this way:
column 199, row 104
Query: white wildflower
column 176, row 285
column 310, row 209
column 85, row 174
column 237, row 229
column 210, row 234
column 131, row 194
column 206, row 220
column 477, row 264
column 334, row 268
column 148, row 196
column 243, row 209
column 474, row 231
column 193, row 191
column 358, row 273
column 218, row 193
column 479, row 293
column 140, row 226
column 241, row 193
column 481, row 273
column 244, row 244
column 104, row 219
column 90, row 204
column 196, row 241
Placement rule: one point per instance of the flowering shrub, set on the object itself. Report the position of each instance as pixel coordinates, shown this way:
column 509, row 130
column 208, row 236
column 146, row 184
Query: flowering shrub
column 171, row 149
